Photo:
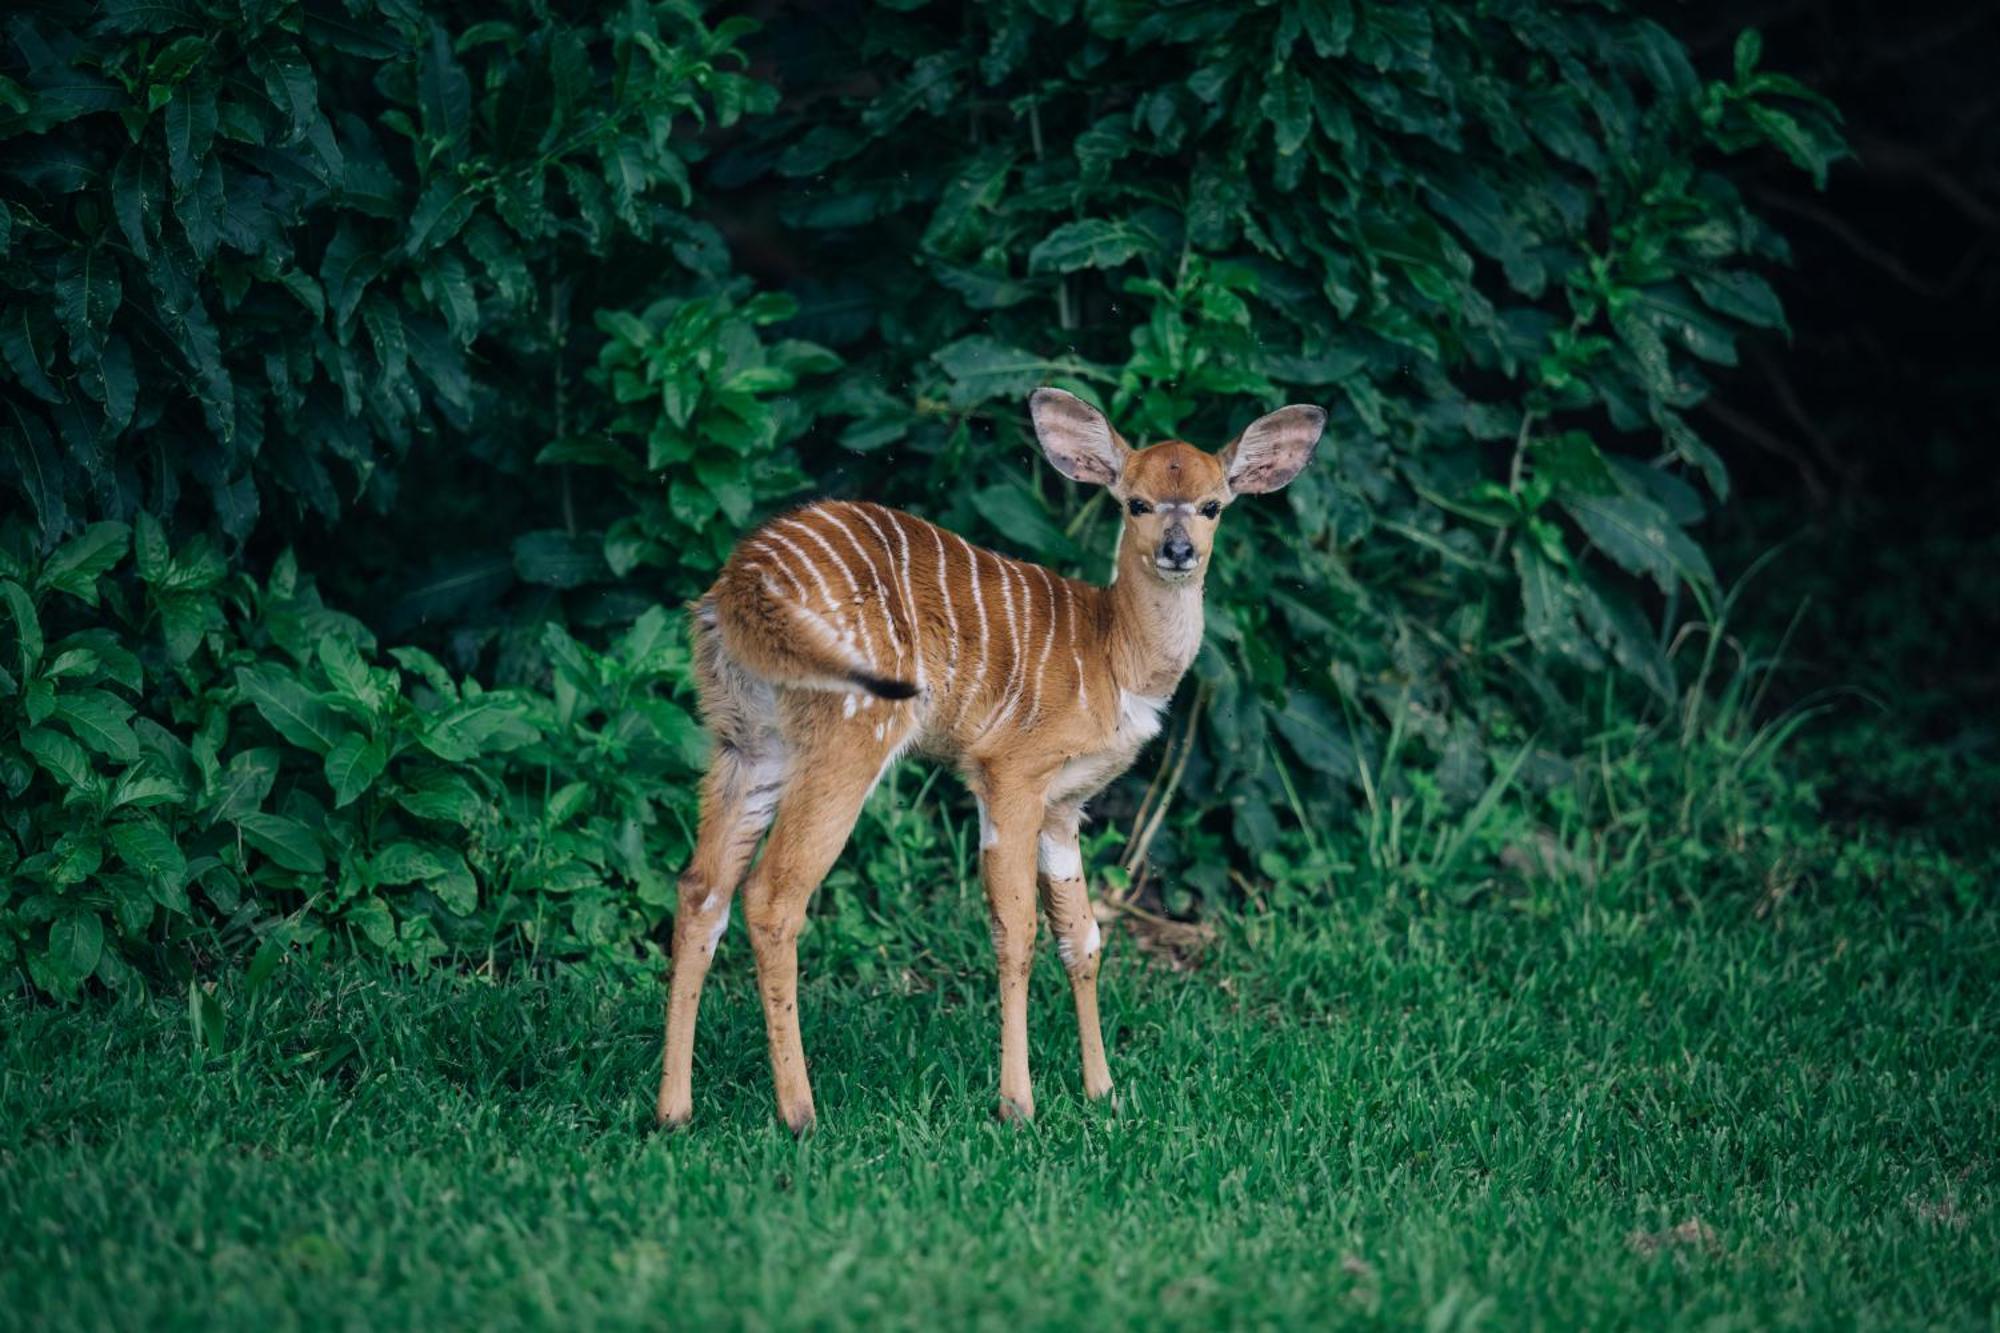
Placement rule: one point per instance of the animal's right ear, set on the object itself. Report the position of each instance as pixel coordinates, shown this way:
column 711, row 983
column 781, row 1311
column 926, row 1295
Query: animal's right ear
column 1076, row 438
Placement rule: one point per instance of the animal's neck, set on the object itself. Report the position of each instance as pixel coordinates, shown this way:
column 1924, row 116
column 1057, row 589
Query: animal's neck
column 1155, row 626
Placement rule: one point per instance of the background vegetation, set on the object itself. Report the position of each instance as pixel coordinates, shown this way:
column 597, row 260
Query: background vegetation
column 1564, row 896
column 318, row 310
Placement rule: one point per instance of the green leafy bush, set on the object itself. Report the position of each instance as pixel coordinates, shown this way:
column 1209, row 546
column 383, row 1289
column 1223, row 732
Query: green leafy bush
column 253, row 251
column 442, row 295
column 212, row 761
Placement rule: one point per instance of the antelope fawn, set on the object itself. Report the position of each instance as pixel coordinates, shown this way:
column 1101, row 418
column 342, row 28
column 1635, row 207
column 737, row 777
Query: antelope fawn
column 843, row 635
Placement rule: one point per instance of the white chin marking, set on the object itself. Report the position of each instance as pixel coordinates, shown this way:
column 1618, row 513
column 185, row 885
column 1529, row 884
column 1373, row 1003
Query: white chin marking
column 1172, row 575
column 1058, row 860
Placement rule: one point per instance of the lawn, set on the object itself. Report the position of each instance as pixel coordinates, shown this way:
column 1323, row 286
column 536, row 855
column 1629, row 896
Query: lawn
column 1575, row 1107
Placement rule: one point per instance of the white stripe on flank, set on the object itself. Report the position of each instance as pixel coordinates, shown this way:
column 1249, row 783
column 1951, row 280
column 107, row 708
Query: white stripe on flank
column 1016, row 641
column 901, row 562
column 853, row 587
column 979, row 613
column 770, row 557
column 832, row 602
column 950, row 614
column 1048, row 645
column 881, row 591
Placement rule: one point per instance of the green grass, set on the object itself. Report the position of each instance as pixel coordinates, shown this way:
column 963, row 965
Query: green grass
column 1386, row 1113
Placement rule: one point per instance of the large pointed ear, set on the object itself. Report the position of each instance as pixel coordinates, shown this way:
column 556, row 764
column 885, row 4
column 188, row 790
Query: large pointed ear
column 1273, row 449
column 1077, row 438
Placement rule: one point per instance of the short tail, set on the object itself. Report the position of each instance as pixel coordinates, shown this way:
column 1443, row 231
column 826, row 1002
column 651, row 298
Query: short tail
column 882, row 687
column 788, row 644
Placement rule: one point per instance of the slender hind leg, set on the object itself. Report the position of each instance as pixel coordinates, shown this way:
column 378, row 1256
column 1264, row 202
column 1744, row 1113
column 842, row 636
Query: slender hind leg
column 1066, row 900
column 1014, row 814
column 816, row 812
column 737, row 800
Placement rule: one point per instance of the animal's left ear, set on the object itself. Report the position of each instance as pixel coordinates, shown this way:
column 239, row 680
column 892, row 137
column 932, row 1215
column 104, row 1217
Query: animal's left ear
column 1273, row 449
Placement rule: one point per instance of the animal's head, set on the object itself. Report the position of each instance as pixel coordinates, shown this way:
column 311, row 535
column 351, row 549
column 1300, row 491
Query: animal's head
column 1173, row 494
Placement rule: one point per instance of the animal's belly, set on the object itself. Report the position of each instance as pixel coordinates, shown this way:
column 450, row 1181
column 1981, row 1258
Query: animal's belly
column 1085, row 775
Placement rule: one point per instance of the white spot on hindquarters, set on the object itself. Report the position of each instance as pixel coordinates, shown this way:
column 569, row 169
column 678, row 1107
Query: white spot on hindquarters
column 849, row 704
column 715, row 931
column 1140, row 713
column 1058, row 859
column 989, row 832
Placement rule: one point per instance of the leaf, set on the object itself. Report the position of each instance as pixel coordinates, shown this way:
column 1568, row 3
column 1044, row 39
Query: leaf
column 981, row 368
column 206, row 1021
column 243, row 786
column 149, row 849
column 352, row 766
column 76, row 939
column 62, row 758
column 1022, row 518
column 1639, row 535
column 1091, row 243
column 190, row 129
column 557, row 559
column 1742, row 295
column 490, row 721
column 100, row 720
column 1289, row 109
column 286, row 841
column 88, row 293
column 444, row 96
column 293, row 711
column 407, row 862
column 27, row 626
column 1314, row 731
column 77, row 564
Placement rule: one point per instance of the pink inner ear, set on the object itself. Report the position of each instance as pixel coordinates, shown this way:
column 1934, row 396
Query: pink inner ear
column 1076, row 437
column 1274, row 449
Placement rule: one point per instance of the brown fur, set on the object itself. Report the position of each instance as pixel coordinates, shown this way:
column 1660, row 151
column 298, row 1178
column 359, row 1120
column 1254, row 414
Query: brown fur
column 843, row 635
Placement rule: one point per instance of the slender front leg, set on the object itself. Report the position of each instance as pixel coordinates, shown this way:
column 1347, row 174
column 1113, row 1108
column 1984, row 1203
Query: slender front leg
column 736, row 802
column 1013, row 815
column 1078, row 941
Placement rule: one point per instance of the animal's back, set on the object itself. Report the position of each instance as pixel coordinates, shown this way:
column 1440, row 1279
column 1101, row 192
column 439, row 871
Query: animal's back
column 957, row 643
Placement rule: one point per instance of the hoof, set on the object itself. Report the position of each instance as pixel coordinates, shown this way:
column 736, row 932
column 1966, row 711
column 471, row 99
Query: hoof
column 1097, row 1092
column 1013, row 1111
column 670, row 1118
column 801, row 1123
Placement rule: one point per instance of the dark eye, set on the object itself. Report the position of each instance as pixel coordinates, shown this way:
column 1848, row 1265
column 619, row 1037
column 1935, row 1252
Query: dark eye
column 1136, row 507
column 1211, row 509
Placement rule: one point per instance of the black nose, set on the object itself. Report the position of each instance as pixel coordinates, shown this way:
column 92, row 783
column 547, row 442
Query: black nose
column 1177, row 551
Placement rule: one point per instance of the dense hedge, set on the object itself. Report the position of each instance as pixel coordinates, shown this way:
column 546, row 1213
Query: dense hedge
column 440, row 296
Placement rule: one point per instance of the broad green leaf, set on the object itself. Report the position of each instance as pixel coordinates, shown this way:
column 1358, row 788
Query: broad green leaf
column 27, row 626
column 100, row 720
column 353, row 765
column 293, row 711
column 75, row 940
column 149, row 849
column 286, row 841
